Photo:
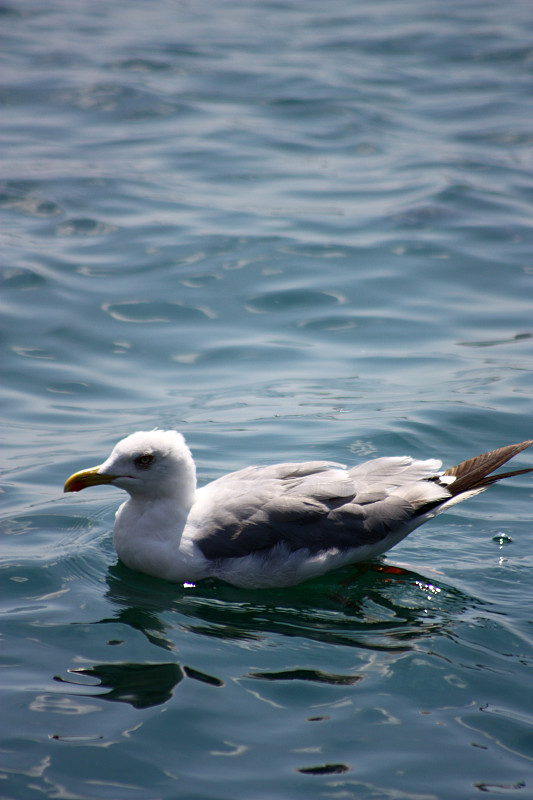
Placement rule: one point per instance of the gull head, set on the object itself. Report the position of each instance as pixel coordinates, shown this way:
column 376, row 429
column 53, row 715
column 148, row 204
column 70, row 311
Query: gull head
column 146, row 464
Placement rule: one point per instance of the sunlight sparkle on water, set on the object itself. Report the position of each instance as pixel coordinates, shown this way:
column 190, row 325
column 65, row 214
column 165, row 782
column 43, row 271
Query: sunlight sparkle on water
column 429, row 588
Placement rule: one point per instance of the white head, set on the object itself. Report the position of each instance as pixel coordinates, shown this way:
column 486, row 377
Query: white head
column 147, row 465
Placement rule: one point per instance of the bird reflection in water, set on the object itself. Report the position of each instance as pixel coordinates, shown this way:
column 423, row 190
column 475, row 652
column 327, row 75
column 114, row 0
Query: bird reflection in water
column 373, row 606
column 368, row 608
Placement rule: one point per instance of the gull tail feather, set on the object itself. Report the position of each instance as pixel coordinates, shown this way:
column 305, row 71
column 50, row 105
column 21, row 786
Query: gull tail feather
column 475, row 474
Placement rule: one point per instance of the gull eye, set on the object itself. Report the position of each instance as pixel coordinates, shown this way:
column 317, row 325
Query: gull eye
column 144, row 461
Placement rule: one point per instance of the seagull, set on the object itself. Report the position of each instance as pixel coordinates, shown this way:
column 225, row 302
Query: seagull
column 272, row 526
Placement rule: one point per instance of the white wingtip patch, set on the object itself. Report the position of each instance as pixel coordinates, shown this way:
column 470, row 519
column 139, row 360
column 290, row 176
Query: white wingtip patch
column 447, row 479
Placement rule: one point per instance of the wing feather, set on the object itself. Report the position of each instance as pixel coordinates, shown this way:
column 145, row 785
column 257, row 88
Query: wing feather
column 316, row 505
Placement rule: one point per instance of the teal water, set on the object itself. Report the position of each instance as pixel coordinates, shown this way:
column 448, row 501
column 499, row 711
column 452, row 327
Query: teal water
column 292, row 231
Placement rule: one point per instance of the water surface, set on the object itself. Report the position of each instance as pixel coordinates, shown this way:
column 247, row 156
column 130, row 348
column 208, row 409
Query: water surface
column 292, row 231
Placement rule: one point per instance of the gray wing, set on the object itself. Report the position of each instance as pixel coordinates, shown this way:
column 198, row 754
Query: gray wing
column 316, row 505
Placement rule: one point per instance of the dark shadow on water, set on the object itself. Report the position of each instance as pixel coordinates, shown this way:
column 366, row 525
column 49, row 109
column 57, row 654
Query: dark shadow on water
column 140, row 685
column 310, row 675
column 325, row 769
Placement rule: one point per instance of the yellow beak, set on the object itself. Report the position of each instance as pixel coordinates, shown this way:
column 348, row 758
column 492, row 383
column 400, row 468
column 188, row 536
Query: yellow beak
column 87, row 477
